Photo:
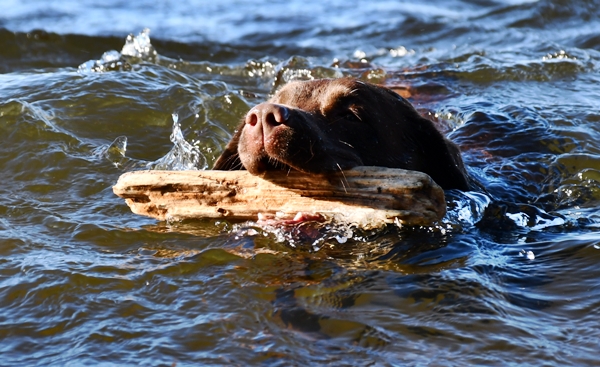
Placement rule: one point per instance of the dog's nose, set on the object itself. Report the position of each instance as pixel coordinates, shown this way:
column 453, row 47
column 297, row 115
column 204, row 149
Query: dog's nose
column 268, row 114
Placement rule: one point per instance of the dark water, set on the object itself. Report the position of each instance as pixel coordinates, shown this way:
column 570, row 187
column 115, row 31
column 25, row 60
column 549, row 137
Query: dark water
column 509, row 277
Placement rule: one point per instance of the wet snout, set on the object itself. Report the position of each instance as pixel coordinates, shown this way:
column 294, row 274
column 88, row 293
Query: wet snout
column 265, row 135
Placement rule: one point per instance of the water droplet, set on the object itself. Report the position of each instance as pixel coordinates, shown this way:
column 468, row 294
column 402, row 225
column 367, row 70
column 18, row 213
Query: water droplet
column 341, row 239
column 359, row 54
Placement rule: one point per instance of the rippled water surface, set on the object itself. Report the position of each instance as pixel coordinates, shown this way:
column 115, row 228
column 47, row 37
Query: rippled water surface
column 511, row 275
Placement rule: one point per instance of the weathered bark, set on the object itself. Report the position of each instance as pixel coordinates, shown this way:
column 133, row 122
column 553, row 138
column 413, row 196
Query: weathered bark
column 366, row 196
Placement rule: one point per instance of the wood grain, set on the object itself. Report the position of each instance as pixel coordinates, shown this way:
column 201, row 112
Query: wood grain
column 365, row 196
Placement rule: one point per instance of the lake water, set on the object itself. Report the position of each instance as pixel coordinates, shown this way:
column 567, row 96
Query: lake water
column 510, row 277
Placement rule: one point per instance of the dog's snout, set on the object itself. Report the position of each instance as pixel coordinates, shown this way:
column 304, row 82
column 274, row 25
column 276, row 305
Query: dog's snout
column 268, row 114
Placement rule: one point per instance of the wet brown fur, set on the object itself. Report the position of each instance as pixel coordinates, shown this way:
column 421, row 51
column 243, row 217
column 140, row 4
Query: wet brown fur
column 334, row 124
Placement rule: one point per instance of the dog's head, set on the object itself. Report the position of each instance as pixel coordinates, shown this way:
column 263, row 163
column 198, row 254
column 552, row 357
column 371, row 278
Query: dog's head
column 334, row 124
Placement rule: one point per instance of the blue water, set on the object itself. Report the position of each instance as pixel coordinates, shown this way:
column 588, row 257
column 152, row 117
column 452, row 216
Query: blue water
column 508, row 278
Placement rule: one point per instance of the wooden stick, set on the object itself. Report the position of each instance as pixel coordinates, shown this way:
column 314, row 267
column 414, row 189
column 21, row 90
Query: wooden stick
column 365, row 196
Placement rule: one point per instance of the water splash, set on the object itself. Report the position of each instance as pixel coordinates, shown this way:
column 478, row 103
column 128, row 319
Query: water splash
column 300, row 68
column 560, row 55
column 184, row 155
column 136, row 49
column 139, row 46
column 115, row 152
column 536, row 222
column 466, row 208
column 110, row 61
column 529, row 254
column 310, row 235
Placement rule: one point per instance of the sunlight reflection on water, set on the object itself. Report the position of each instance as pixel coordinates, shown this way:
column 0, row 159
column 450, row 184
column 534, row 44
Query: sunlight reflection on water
column 508, row 277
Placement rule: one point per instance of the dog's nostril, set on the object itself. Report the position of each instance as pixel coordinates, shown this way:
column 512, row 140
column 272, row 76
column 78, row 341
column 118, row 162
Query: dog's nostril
column 276, row 115
column 271, row 119
column 252, row 118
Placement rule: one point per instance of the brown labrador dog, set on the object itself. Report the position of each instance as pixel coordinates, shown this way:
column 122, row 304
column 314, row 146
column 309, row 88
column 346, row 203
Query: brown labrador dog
column 330, row 125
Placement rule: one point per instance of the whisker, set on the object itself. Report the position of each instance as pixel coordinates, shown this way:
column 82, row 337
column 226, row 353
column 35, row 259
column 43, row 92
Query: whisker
column 336, row 120
column 348, row 144
column 344, row 178
column 239, row 164
column 233, row 167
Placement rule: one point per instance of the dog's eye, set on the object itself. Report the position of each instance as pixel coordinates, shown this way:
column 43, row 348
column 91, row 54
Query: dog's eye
column 352, row 115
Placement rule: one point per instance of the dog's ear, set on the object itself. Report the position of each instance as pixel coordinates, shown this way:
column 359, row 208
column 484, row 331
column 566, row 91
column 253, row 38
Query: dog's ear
column 457, row 172
column 441, row 158
column 229, row 160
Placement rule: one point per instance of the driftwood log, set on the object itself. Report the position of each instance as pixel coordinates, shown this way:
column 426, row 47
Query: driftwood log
column 365, row 196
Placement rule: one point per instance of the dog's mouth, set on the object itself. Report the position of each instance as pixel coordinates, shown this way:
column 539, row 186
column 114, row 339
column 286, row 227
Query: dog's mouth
column 267, row 163
column 261, row 151
column 265, row 159
column 277, row 138
column 263, row 163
